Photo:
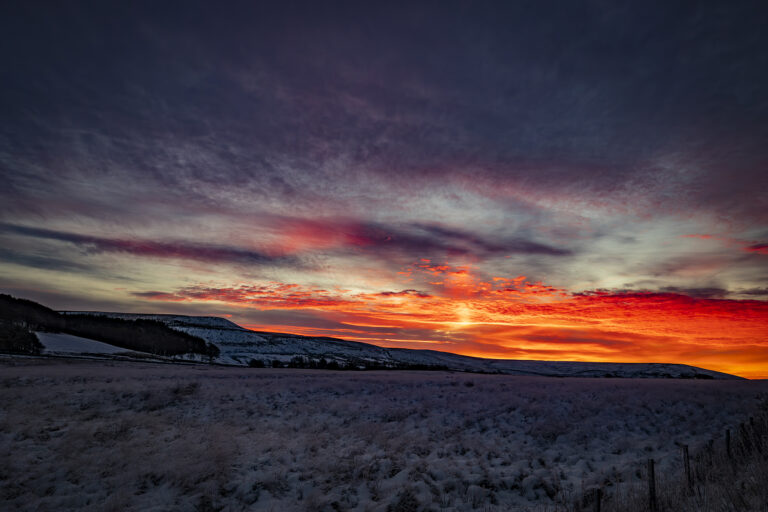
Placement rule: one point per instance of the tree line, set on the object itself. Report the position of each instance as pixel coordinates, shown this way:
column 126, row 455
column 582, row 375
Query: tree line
column 324, row 364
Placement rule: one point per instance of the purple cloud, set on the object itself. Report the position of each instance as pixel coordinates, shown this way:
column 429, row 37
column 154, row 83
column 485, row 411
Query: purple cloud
column 154, row 248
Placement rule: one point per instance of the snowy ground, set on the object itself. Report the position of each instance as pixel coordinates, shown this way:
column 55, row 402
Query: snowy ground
column 131, row 436
column 57, row 343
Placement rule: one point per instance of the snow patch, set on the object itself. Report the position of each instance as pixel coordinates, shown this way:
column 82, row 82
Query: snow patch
column 57, row 343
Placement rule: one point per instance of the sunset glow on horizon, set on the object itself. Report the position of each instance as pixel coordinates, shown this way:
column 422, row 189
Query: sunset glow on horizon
column 492, row 180
column 516, row 319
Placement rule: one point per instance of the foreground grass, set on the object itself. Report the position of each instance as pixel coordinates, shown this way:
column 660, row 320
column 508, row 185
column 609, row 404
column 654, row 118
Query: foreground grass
column 130, row 436
column 728, row 474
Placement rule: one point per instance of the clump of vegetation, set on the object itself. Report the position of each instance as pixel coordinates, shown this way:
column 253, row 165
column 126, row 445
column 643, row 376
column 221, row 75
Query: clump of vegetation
column 324, row 364
column 18, row 339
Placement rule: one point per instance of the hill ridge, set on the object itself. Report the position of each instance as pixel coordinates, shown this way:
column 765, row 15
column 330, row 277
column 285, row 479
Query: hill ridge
column 242, row 346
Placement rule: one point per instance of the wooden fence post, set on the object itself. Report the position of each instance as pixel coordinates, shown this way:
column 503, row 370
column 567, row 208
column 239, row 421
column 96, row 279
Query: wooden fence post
column 687, row 466
column 651, row 487
column 745, row 444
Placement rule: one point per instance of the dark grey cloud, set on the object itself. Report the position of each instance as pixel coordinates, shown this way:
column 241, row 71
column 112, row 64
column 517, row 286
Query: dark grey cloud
column 58, row 300
column 662, row 102
column 425, row 240
column 155, row 295
column 405, row 293
column 702, row 292
column 399, row 245
column 497, row 246
column 43, row 262
column 757, row 292
column 698, row 293
column 154, row 248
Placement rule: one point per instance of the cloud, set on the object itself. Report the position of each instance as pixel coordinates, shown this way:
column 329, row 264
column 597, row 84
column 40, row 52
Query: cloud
column 161, row 296
column 268, row 296
column 405, row 293
column 702, row 293
column 758, row 248
column 503, row 302
column 505, row 318
column 42, row 262
column 753, row 291
column 426, row 240
column 410, row 240
column 479, row 244
column 476, row 136
column 154, row 248
column 213, row 112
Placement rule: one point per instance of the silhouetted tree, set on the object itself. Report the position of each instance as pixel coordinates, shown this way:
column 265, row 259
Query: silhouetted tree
column 212, row 352
column 35, row 316
column 17, row 339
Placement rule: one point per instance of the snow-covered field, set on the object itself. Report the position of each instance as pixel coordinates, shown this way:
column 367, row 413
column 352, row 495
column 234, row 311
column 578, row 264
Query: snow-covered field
column 93, row 435
column 58, row 343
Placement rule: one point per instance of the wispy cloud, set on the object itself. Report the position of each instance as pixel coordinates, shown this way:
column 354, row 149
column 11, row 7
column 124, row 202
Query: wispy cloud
column 408, row 240
column 154, row 248
column 759, row 248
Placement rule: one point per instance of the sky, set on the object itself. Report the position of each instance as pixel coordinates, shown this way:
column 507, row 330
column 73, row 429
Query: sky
column 527, row 180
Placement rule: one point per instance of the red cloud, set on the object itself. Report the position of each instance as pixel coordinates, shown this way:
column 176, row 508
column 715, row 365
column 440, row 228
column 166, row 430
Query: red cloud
column 703, row 237
column 758, row 248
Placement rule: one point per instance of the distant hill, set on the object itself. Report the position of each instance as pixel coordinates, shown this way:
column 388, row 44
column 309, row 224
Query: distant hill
column 30, row 313
column 138, row 334
column 241, row 346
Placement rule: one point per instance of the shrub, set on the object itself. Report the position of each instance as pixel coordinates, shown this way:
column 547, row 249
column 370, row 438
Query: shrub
column 18, row 340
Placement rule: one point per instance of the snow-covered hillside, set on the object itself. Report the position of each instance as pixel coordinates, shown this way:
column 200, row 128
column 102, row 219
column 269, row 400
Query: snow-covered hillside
column 240, row 346
column 58, row 343
column 206, row 322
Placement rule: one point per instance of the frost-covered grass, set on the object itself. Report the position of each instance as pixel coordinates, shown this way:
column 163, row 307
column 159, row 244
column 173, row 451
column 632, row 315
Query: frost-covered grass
column 130, row 436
